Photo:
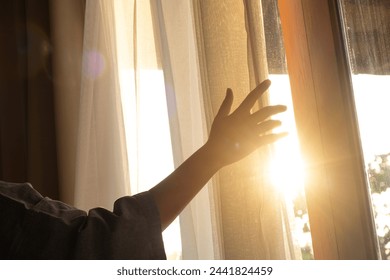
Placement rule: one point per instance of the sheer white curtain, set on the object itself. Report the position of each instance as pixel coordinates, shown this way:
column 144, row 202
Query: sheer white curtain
column 144, row 103
column 101, row 163
column 153, row 75
column 175, row 30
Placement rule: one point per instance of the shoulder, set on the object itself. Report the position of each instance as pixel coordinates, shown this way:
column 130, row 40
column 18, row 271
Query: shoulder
column 33, row 226
column 19, row 192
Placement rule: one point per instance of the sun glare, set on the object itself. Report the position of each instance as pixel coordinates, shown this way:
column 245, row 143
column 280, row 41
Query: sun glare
column 286, row 168
column 287, row 174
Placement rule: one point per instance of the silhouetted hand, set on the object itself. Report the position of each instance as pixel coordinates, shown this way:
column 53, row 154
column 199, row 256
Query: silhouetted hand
column 235, row 135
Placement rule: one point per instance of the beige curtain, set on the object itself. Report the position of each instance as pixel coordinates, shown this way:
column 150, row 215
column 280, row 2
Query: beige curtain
column 230, row 40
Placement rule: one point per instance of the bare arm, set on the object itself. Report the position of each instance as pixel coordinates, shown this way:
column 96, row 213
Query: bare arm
column 233, row 136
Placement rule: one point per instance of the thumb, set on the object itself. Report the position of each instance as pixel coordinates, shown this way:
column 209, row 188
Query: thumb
column 226, row 105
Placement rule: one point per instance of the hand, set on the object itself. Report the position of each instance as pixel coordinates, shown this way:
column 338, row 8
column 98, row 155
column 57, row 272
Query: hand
column 236, row 135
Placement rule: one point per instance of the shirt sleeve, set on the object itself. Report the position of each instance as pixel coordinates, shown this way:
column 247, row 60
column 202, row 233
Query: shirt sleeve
column 35, row 227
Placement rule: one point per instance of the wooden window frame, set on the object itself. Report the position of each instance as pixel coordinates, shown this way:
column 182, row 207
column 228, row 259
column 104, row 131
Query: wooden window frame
column 337, row 193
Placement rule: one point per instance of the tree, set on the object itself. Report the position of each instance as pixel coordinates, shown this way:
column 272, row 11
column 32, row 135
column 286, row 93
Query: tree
column 379, row 178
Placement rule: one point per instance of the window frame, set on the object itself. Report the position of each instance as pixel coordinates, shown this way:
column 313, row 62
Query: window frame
column 337, row 193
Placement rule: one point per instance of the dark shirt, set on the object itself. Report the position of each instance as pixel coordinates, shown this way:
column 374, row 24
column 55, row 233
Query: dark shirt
column 36, row 227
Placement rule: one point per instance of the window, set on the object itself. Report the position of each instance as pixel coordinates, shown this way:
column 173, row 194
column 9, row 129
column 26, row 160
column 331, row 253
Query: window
column 367, row 29
column 337, row 195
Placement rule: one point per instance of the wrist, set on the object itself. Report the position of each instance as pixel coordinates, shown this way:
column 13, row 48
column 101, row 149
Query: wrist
column 211, row 156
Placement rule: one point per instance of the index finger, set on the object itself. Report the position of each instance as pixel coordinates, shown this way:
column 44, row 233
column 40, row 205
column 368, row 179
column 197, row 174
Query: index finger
column 253, row 96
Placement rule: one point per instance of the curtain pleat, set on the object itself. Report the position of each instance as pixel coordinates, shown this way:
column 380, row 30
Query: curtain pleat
column 67, row 31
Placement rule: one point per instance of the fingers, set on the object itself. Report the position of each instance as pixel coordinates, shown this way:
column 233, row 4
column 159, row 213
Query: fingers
column 271, row 138
column 267, row 126
column 267, row 112
column 253, row 96
column 226, row 105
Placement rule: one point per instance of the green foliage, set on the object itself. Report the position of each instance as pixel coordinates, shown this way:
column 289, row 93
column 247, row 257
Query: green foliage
column 379, row 178
column 300, row 212
column 379, row 173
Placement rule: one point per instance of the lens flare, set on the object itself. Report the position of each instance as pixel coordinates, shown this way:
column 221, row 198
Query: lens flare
column 93, row 64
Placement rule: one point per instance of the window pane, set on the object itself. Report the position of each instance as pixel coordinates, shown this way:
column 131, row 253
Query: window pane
column 287, row 167
column 367, row 30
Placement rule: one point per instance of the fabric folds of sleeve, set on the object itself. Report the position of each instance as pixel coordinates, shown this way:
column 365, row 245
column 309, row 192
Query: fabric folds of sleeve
column 34, row 227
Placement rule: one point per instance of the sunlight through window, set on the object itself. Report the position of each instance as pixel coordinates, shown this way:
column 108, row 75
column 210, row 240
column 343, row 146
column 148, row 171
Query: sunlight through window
column 287, row 168
column 148, row 139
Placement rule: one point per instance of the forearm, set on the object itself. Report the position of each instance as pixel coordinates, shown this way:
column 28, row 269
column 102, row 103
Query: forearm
column 178, row 189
